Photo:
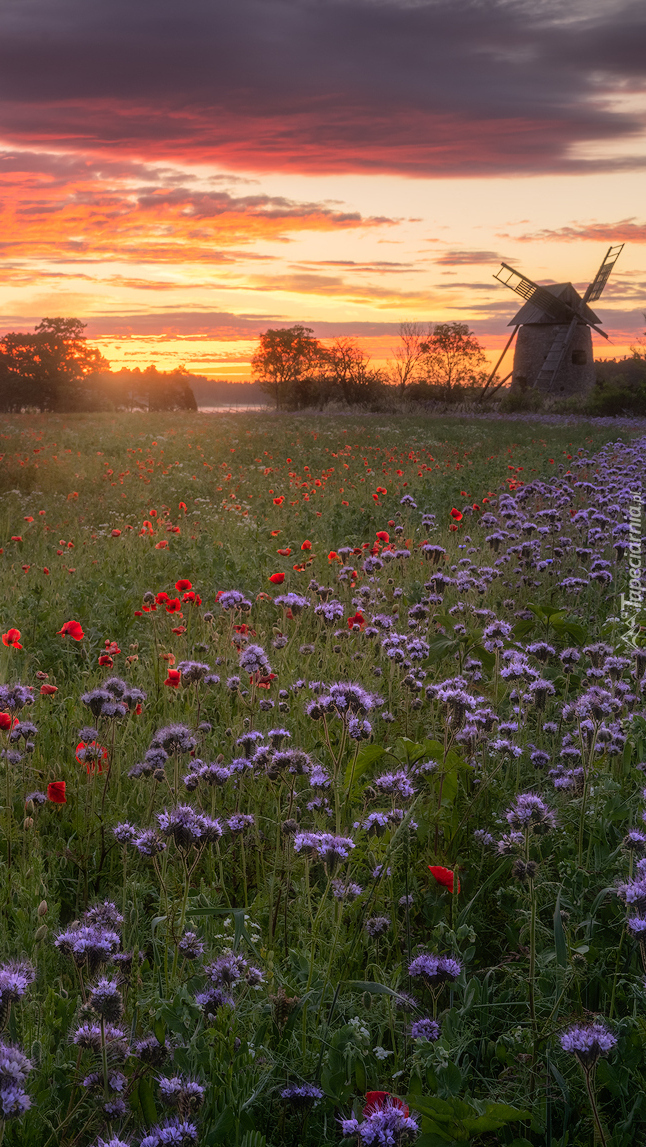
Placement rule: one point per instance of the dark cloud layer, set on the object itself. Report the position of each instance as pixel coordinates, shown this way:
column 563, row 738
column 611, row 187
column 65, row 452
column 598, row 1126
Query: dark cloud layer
column 444, row 87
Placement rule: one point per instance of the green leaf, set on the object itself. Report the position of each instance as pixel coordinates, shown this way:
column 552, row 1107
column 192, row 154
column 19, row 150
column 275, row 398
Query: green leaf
column 366, row 756
column 441, row 647
column 560, row 945
column 371, row 987
column 522, row 628
column 147, row 1101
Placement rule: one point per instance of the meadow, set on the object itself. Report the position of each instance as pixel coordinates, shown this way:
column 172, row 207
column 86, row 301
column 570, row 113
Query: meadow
column 322, row 782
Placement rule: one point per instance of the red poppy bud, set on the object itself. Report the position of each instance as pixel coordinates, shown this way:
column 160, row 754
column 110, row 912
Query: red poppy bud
column 444, row 876
column 56, row 792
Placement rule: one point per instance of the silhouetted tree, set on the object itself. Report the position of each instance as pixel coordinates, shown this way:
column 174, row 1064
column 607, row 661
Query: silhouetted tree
column 349, row 377
column 452, row 355
column 407, row 364
column 287, row 363
column 48, row 369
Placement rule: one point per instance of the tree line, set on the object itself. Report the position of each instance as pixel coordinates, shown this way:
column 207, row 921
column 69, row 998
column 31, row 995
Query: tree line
column 53, row 369
column 297, row 370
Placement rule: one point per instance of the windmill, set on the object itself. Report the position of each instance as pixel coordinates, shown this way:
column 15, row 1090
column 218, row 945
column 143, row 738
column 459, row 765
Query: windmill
column 554, row 347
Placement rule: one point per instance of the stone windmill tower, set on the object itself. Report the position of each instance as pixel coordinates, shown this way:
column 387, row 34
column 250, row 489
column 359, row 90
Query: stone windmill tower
column 553, row 352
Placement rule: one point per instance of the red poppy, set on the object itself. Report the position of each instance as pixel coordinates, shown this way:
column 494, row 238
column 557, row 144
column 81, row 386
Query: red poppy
column 284, row 553
column 56, row 792
column 112, row 647
column 173, row 605
column 375, row 1101
column 116, row 533
column 279, row 501
column 444, row 876
column 182, row 506
column 382, row 536
column 333, row 556
column 6, row 722
column 16, row 538
column 183, row 585
column 45, row 570
column 153, row 513
column 263, row 681
column 72, row 629
column 162, row 545
column 105, row 659
column 306, row 545
column 275, row 533
column 456, row 514
column 97, row 757
column 173, row 678
column 453, row 526
column 179, row 630
column 358, row 619
column 48, row 690
column 277, row 578
column 12, row 638
column 381, row 490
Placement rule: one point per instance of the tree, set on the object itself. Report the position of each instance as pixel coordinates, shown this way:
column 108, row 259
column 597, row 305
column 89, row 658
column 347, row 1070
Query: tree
column 286, row 364
column 407, row 366
column 348, row 373
column 48, row 369
column 452, row 355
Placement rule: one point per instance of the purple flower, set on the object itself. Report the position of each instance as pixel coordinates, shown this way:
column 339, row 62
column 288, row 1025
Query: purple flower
column 435, row 970
column 377, row 926
column 15, row 978
column 302, row 1095
column 88, row 942
column 425, row 1029
column 588, row 1042
column 188, row 827
column 211, row 1001
column 175, row 1132
column 384, row 1123
column 226, row 970
column 530, row 812
column 185, row 1094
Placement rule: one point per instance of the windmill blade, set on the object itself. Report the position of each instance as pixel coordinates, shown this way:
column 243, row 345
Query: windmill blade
column 595, row 290
column 531, row 292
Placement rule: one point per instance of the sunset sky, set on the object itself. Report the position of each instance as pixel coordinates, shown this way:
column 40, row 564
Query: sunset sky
column 183, row 175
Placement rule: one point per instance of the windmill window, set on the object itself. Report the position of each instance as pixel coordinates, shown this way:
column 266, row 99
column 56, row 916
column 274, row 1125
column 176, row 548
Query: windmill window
column 579, row 358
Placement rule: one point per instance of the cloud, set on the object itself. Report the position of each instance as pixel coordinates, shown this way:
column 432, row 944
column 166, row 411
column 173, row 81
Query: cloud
column 421, row 87
column 70, row 209
column 626, row 231
column 467, row 258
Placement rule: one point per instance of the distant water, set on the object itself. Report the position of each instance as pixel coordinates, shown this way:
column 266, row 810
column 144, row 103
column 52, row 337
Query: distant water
column 233, row 408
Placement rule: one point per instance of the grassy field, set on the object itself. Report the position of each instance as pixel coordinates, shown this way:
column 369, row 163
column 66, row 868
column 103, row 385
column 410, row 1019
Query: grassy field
column 313, row 658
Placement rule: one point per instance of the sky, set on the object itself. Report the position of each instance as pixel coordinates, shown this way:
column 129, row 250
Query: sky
column 182, row 176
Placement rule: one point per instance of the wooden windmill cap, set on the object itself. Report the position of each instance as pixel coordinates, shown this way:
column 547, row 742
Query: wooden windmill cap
column 530, row 312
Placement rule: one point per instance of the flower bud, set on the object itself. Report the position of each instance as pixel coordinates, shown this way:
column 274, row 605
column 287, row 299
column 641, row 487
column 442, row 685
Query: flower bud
column 42, row 908
column 41, row 932
column 28, row 822
column 29, row 807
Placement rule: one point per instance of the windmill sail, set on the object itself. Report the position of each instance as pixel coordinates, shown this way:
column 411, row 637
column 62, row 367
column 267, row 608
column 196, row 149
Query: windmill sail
column 531, row 292
column 595, row 290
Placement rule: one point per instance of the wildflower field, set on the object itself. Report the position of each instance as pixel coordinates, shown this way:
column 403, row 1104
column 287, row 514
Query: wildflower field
column 322, row 783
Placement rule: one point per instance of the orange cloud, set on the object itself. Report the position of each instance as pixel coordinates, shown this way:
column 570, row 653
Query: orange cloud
column 93, row 216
